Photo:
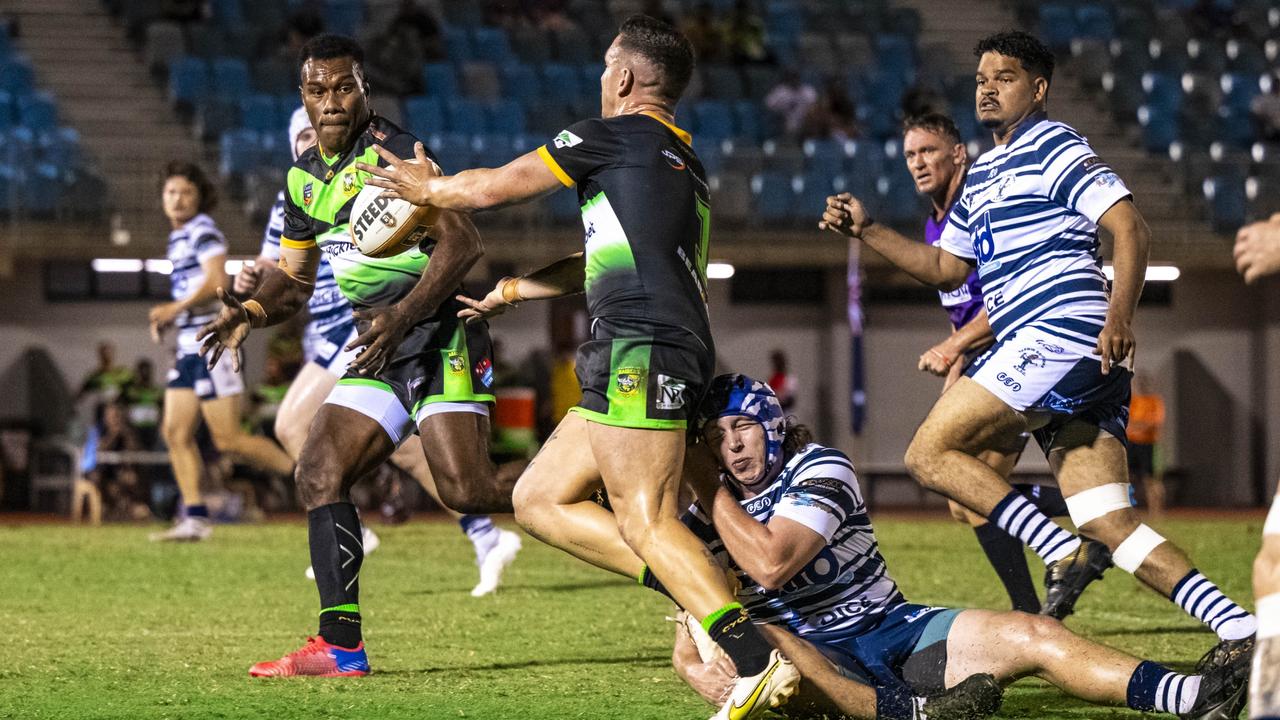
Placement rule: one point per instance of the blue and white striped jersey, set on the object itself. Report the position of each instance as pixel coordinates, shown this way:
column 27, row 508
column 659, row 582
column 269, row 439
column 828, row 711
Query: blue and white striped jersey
column 846, row 588
column 190, row 245
column 327, row 307
column 1028, row 217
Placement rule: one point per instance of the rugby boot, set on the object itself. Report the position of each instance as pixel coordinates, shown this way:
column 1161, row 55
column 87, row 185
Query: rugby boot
column 188, row 529
column 494, row 562
column 752, row 696
column 318, row 659
column 1224, row 690
column 976, row 697
column 1226, row 652
column 1066, row 579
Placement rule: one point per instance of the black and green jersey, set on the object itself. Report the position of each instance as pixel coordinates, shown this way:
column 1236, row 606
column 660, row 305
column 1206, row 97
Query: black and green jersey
column 647, row 215
column 321, row 190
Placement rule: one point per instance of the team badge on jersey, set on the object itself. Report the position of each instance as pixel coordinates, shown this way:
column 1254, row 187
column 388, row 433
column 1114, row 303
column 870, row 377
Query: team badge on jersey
column 1050, row 347
column 670, row 393
column 457, row 365
column 566, row 139
column 307, row 194
column 1030, row 358
column 629, row 380
column 349, row 183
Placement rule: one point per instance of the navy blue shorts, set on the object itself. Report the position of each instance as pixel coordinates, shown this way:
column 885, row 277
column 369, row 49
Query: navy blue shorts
column 908, row 647
column 191, row 372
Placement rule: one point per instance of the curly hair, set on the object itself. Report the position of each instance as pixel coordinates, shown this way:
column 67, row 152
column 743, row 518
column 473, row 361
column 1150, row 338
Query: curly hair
column 1032, row 54
column 192, row 172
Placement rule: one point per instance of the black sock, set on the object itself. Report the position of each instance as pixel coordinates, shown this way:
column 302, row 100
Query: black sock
column 337, row 551
column 1005, row 553
column 731, row 628
column 649, row 580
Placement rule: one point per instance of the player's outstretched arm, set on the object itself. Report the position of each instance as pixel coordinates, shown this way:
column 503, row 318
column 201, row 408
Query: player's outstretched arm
column 521, row 180
column 1132, row 247
column 845, row 215
column 565, row 276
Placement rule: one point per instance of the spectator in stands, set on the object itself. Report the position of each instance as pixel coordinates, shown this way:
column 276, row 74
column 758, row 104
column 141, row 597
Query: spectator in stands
column 704, row 33
column 143, row 398
column 834, row 115
column 397, row 53
column 782, row 382
column 107, row 381
column 745, row 36
column 791, row 100
column 1265, row 108
column 1146, row 420
column 123, row 496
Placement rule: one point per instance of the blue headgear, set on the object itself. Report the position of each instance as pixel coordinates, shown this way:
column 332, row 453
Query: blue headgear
column 737, row 394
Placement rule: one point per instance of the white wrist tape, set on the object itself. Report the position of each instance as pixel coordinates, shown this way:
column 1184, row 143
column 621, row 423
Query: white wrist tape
column 1088, row 505
column 1272, row 525
column 1268, row 614
column 1128, row 556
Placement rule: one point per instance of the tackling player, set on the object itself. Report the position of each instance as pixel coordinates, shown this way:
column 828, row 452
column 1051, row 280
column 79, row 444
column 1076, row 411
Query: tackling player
column 330, row 329
column 936, row 159
column 198, row 253
column 787, row 516
column 420, row 369
column 1257, row 255
column 1028, row 219
column 646, row 212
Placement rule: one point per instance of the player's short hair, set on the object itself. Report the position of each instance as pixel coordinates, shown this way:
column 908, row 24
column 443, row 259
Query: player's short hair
column 1029, row 51
column 664, row 46
column 327, row 46
column 193, row 173
column 934, row 122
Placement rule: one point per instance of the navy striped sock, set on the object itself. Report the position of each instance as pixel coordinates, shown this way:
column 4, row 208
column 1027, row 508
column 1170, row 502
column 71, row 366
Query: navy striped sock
column 1155, row 687
column 1201, row 599
column 1020, row 518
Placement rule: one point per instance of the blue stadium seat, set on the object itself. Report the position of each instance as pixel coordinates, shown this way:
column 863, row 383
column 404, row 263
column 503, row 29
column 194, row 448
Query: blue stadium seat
column 344, row 16
column 38, row 112
column 896, row 54
column 826, row 157
column 259, row 111
column 784, row 20
column 440, row 80
column 713, row 120
column 457, row 44
column 16, row 76
column 560, row 82
column 455, row 155
column 464, row 116
column 1057, row 25
column 865, row 165
column 238, row 152
column 723, row 82
column 547, row 116
column 519, row 82
column 424, row 115
column 62, row 149
column 8, row 111
column 751, row 121
column 230, row 77
column 711, row 155
column 563, row 205
column 42, row 189
column 1235, row 127
column 1094, row 21
column 214, row 116
column 492, row 150
column 1159, row 129
column 899, row 203
column 1163, row 92
column 1238, row 90
column 188, row 81
column 490, row 45
column 1227, row 203
column 226, row 13
column 774, row 196
column 815, row 186
column 505, row 116
column 573, row 46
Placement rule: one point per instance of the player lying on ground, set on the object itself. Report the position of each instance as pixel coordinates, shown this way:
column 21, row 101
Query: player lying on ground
column 646, row 210
column 1257, row 254
column 937, row 159
column 326, row 347
column 400, row 383
column 787, row 516
column 1028, row 218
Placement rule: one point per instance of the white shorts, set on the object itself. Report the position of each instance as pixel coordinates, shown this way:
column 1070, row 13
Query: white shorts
column 375, row 400
column 328, row 349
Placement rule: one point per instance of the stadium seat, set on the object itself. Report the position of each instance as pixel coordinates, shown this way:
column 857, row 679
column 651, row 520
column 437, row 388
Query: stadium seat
column 464, row 14
column 1263, row 196
column 1227, row 203
column 61, row 148
column 42, row 190
column 723, row 82
column 899, row 202
column 782, row 158
column 505, row 117
column 827, row 157
column 16, row 76
column 480, row 80
column 490, row 45
column 732, row 193
column 188, row 81
column 531, row 44
column 895, row 54
column 1057, row 25
column 519, row 82
column 259, row 111
column 1163, row 92
column 1159, row 129
column 457, row 43
column 344, row 16
column 214, row 116
column 760, row 80
column 1234, row 127
column 560, row 82
column 573, row 46
column 1245, row 57
column 589, row 83
column 855, row 50
column 464, row 116
column 742, row 159
column 817, row 54
column 815, row 187
column 225, row 13
column 440, row 80
column 8, row 111
column 711, row 156
column 238, row 152
column 424, row 115
column 1093, row 21
column 563, row 206
column 205, row 40
column 714, row 120
column 230, row 77
column 751, row 123
column 774, row 197
column 548, row 116
column 274, row 76
column 38, row 111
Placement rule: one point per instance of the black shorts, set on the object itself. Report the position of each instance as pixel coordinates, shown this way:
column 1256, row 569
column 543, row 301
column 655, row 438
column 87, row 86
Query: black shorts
column 1142, row 460
column 636, row 375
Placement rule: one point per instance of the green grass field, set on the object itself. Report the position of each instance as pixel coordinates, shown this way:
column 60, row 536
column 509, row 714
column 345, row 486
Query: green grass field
column 103, row 624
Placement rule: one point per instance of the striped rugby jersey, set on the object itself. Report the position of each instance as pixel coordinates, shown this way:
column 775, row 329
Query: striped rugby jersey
column 328, row 307
column 190, row 245
column 846, row 588
column 1028, row 217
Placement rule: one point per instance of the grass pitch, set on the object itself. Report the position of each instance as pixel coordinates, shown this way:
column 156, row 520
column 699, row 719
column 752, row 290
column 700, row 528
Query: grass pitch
column 103, row 624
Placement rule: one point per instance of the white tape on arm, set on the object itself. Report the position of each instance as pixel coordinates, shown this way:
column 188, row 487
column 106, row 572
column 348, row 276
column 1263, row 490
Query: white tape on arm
column 1128, row 556
column 1091, row 504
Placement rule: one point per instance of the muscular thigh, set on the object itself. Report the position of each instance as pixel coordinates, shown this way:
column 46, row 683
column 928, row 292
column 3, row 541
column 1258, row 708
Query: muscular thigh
column 564, row 470
column 1084, row 456
column 181, row 411
column 222, row 416
column 985, row 641
column 343, row 443
column 639, row 466
column 455, row 442
column 306, row 394
column 968, row 417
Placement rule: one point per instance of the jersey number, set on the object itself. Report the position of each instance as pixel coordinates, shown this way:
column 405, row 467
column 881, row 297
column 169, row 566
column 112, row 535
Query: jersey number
column 704, row 238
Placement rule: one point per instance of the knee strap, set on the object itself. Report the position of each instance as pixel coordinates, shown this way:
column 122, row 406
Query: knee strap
column 1089, row 505
column 1128, row 555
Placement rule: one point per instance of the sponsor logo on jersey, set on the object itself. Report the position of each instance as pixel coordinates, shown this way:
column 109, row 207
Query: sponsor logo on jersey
column 1106, row 179
column 307, row 194
column 566, row 139
column 1050, row 347
column 629, row 380
column 457, row 365
column 670, row 393
column 759, row 504
column 484, row 371
column 673, row 159
column 371, row 214
column 1009, row 381
column 1030, row 358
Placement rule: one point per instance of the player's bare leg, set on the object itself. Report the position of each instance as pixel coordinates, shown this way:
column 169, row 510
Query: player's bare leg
column 1264, row 701
column 300, row 405
column 823, row 690
column 553, row 502
column 223, row 418
column 456, row 445
column 1093, row 473
column 181, row 418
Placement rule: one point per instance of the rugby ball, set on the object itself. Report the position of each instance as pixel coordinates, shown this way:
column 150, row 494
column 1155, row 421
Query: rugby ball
column 381, row 227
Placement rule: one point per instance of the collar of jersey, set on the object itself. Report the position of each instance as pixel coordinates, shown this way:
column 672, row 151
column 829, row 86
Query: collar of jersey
column 685, row 137
column 330, row 160
column 198, row 219
column 1031, row 121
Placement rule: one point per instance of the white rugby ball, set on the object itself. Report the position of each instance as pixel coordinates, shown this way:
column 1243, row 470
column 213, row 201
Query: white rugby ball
column 381, row 227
